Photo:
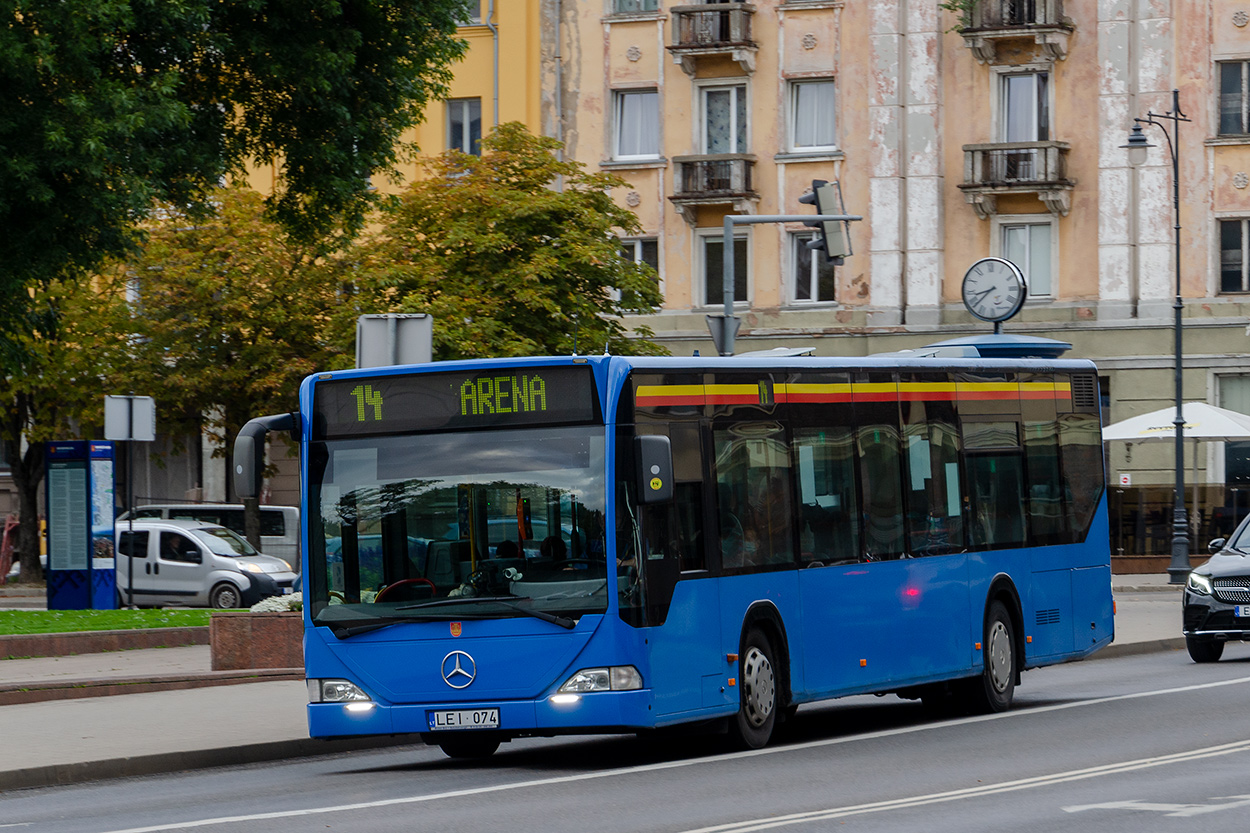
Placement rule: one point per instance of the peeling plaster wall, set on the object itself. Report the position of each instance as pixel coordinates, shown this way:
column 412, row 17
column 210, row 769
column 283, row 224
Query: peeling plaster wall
column 885, row 184
column 923, row 148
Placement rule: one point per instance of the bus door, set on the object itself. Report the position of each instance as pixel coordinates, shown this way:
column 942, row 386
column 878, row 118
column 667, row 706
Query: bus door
column 665, row 587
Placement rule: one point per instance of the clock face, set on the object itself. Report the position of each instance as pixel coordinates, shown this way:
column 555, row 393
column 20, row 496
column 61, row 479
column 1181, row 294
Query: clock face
column 994, row 289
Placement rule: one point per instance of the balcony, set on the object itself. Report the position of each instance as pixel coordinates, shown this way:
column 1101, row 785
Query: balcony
column 714, row 179
column 1040, row 21
column 1017, row 168
column 713, row 29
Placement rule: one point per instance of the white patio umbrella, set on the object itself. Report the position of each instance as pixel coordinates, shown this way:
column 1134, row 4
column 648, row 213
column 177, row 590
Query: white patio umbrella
column 1202, row 422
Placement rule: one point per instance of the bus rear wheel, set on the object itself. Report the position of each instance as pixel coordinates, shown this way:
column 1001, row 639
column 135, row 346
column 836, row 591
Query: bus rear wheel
column 469, row 747
column 752, row 726
column 992, row 692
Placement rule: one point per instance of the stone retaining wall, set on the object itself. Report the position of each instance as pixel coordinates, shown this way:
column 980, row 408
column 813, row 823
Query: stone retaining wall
column 94, row 642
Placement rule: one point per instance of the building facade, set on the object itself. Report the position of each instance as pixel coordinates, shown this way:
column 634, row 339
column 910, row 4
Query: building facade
column 996, row 131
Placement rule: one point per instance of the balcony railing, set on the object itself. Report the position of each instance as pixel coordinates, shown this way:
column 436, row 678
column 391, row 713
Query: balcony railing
column 1041, row 21
column 712, row 179
column 713, row 29
column 1017, row 168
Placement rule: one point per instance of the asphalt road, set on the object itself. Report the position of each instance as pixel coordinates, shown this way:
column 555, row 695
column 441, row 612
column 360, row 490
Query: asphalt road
column 1122, row 744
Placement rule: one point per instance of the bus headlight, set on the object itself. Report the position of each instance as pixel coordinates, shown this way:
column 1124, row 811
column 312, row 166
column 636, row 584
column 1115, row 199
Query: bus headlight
column 1200, row 584
column 615, row 678
column 335, row 691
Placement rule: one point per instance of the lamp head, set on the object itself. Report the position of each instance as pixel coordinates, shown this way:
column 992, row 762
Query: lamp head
column 1137, row 146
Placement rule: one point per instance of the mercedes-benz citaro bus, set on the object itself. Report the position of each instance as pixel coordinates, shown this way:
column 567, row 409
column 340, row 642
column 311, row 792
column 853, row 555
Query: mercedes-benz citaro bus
column 529, row 547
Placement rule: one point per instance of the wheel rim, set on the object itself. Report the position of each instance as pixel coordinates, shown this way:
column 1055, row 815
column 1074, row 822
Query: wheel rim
column 758, row 687
column 999, row 644
column 227, row 598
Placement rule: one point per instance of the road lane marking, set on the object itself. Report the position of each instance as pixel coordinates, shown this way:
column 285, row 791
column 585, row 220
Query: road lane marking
column 667, row 765
column 772, row 822
column 1172, row 810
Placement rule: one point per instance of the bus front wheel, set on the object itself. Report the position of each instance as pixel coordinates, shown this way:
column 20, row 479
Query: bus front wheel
column 469, row 747
column 752, row 726
column 993, row 690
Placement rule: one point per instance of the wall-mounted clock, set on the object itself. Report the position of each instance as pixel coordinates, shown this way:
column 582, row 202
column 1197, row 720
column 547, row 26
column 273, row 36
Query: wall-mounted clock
column 994, row 289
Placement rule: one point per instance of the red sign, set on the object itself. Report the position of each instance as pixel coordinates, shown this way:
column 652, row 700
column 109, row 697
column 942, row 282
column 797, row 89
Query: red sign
column 455, row 628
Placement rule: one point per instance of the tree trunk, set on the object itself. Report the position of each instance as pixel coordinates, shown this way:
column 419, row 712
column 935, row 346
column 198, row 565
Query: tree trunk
column 28, row 476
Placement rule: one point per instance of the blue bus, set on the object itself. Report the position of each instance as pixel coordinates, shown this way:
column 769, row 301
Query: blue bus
column 530, row 547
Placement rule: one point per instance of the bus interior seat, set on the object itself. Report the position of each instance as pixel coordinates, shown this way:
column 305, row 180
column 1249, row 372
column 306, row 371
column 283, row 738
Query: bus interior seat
column 440, row 566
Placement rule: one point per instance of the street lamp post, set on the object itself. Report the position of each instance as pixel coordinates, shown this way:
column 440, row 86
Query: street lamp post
column 1137, row 146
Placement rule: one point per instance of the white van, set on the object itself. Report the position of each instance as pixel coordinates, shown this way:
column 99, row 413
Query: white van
column 279, row 525
column 179, row 562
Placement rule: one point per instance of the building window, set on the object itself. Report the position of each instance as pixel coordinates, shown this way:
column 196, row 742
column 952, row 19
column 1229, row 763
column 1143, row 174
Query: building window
column 1025, row 102
column 1233, row 261
column 1234, row 108
column 812, row 116
column 474, row 17
column 644, row 250
column 713, row 265
column 1235, row 396
column 464, row 125
column 814, row 277
column 725, row 119
column 634, row 6
column 637, row 124
column 1029, row 245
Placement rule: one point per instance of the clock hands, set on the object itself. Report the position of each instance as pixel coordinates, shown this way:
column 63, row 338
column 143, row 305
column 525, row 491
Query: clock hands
column 977, row 296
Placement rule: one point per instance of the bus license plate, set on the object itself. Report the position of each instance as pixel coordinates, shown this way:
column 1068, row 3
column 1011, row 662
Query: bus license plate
column 1241, row 610
column 443, row 721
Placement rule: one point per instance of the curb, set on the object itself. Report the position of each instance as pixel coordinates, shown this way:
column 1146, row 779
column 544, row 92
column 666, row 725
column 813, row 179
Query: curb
column 95, row 642
column 56, row 775
column 42, row 691
column 1132, row 649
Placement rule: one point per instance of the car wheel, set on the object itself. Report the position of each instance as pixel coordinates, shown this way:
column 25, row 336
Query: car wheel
column 1204, row 650
column 993, row 690
column 752, row 726
column 224, row 596
column 469, row 747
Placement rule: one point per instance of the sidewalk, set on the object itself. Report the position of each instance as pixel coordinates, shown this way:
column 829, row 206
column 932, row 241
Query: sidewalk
column 69, row 741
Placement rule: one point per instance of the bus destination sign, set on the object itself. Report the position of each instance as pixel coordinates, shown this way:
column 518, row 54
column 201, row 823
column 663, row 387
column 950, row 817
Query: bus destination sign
column 445, row 401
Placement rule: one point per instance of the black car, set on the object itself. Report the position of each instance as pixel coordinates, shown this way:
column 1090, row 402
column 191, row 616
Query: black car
column 1217, row 597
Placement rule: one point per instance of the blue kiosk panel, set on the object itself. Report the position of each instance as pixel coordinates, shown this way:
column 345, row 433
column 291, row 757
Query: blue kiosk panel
column 79, row 491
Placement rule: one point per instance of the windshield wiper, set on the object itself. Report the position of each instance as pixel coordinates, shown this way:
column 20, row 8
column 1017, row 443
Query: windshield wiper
column 345, row 631
column 506, row 601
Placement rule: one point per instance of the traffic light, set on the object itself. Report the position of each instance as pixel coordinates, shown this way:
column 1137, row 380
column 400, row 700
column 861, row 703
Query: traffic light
column 834, row 238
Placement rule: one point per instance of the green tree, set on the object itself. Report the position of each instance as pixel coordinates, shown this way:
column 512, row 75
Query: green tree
column 228, row 315
column 514, row 253
column 107, row 106
column 58, row 363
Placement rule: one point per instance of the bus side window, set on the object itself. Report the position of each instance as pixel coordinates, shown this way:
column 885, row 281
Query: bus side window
column 995, row 483
column 828, row 532
column 753, row 493
column 879, row 460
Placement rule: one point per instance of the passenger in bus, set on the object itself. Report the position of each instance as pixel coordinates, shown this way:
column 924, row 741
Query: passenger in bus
column 507, row 549
column 553, row 549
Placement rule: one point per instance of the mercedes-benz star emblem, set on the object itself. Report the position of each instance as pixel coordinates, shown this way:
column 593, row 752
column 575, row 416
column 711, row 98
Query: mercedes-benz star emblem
column 459, row 669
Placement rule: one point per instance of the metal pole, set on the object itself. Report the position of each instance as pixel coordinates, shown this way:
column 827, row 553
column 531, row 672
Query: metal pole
column 130, row 501
column 1178, row 570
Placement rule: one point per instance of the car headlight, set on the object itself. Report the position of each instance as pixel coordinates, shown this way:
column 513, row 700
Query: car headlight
column 1199, row 584
column 249, row 567
column 615, row 678
column 335, row 691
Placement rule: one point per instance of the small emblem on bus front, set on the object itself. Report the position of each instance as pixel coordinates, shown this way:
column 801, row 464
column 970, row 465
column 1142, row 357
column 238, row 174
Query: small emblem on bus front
column 455, row 628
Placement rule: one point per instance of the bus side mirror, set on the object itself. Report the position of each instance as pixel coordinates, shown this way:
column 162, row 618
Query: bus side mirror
column 654, row 454
column 249, row 451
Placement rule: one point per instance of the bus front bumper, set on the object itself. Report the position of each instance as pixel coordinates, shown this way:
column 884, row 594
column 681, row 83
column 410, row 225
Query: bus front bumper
column 604, row 711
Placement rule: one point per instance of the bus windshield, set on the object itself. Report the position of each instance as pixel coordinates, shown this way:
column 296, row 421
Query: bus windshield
column 481, row 524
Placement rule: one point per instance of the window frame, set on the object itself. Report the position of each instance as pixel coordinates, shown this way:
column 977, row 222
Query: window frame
column 460, row 144
column 797, row 238
column 1000, row 224
column 1244, row 222
column 793, row 116
column 999, row 101
column 702, row 237
column 618, row 123
column 1244, row 93
column 740, row 87
column 614, row 7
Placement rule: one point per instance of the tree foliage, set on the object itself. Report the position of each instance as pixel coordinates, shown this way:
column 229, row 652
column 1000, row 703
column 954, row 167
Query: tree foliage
column 109, row 105
column 514, row 253
column 227, row 313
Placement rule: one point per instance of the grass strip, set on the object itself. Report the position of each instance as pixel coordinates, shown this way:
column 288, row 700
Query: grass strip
column 76, row 621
